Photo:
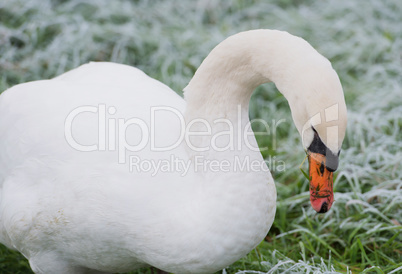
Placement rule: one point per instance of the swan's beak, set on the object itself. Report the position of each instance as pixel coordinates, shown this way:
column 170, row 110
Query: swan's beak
column 321, row 183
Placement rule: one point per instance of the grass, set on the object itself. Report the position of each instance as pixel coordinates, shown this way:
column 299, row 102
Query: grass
column 169, row 39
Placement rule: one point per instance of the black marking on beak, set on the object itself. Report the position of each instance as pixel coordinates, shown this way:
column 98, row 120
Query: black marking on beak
column 317, row 146
column 322, row 166
column 324, row 208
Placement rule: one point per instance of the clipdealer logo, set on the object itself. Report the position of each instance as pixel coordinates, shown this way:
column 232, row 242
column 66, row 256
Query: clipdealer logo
column 112, row 136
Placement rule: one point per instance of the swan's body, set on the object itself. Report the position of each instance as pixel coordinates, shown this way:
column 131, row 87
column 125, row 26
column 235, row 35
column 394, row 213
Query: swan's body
column 69, row 211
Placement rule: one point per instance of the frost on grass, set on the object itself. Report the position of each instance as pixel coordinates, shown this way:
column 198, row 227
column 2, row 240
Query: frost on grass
column 169, row 39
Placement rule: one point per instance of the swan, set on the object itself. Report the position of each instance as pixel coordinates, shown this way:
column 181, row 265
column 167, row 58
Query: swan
column 104, row 169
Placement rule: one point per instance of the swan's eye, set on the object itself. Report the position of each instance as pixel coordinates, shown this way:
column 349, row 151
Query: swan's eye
column 332, row 161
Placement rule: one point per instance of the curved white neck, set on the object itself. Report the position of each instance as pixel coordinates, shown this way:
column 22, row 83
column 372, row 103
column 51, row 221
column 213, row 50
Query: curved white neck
column 234, row 68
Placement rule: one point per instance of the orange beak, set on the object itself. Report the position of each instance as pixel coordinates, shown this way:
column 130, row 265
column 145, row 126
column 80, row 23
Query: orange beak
column 321, row 183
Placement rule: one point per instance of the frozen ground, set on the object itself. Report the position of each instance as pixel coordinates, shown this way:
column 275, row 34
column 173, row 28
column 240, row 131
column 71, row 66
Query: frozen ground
column 168, row 40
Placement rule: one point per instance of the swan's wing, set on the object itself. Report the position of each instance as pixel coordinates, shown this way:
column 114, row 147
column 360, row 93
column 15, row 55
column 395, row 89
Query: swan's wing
column 38, row 162
column 33, row 115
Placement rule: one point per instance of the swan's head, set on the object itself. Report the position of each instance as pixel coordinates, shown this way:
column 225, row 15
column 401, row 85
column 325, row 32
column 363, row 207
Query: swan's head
column 318, row 107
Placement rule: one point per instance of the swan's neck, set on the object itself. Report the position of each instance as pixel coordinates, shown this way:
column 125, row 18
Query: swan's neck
column 233, row 69
column 227, row 77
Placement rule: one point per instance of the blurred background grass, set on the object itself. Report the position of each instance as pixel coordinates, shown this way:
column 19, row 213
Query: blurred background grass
column 169, row 39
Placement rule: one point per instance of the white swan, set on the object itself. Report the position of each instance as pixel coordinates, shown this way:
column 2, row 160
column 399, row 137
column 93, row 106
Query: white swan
column 78, row 188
